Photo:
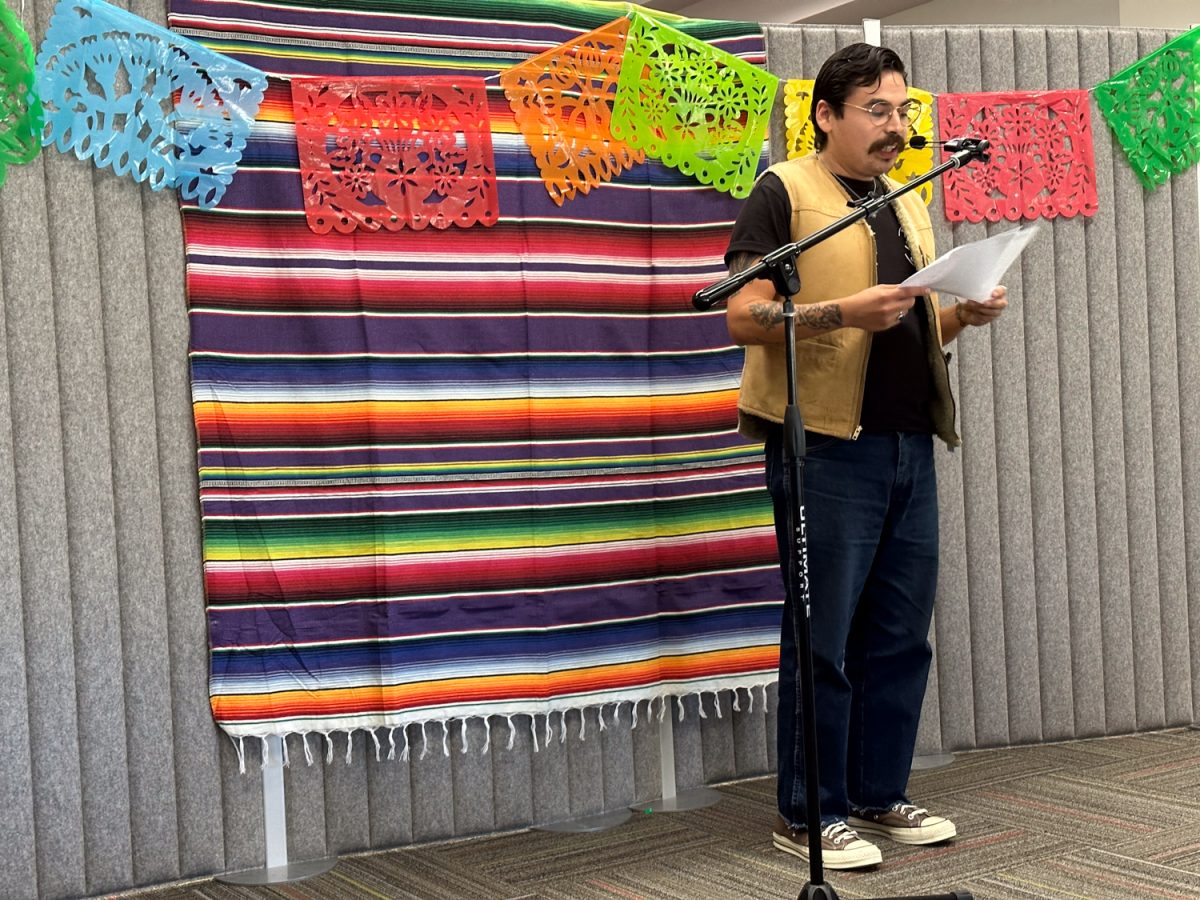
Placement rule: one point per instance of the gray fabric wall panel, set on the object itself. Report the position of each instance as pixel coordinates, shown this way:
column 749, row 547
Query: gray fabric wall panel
column 1104, row 282
column 647, row 769
column 513, row 802
column 1186, row 617
column 687, row 736
column 18, row 861
column 1013, row 432
column 585, row 768
column 751, row 737
column 1179, row 294
column 716, row 743
column 432, row 779
column 1070, row 522
column 43, row 529
column 242, row 814
column 1132, row 311
column 195, row 744
column 1173, row 699
column 548, row 770
column 1077, row 288
column 474, row 782
column 618, row 757
column 92, row 537
column 145, row 673
column 347, row 819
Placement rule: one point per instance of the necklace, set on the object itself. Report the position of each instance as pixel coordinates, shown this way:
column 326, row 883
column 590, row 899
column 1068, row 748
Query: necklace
column 855, row 192
column 850, row 189
column 876, row 190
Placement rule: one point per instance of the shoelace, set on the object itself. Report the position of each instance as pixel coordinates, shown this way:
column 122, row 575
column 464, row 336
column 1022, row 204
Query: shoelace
column 839, row 832
column 910, row 810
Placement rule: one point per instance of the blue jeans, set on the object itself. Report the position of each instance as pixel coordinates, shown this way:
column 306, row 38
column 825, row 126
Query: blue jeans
column 872, row 526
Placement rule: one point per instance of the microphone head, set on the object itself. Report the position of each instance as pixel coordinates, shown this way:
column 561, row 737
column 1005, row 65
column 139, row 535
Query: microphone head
column 918, row 141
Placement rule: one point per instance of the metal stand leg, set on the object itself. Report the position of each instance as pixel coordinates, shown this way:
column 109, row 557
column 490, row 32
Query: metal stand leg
column 277, row 868
column 673, row 800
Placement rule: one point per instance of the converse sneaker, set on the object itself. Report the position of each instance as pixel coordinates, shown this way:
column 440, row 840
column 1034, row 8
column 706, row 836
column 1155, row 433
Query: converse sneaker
column 905, row 823
column 841, row 847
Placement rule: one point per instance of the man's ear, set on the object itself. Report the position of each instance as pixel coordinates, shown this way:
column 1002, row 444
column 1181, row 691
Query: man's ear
column 823, row 114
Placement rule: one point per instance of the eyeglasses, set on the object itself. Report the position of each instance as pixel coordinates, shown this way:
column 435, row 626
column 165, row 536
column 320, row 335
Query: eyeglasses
column 882, row 111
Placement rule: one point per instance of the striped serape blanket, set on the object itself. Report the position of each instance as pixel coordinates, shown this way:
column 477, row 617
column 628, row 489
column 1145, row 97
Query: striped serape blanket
column 463, row 472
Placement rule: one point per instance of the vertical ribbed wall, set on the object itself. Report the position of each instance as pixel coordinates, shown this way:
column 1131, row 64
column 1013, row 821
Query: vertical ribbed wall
column 1064, row 608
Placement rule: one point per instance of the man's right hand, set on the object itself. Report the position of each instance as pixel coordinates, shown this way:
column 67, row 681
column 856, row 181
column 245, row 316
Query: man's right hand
column 880, row 307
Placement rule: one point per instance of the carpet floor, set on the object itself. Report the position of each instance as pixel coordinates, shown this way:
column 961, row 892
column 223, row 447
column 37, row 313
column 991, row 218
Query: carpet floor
column 1086, row 820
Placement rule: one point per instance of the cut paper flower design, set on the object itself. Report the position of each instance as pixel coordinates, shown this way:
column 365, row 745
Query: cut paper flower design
column 910, row 164
column 562, row 101
column 20, row 108
column 128, row 94
column 395, row 153
column 1153, row 108
column 1041, row 155
column 914, row 163
column 797, row 109
column 697, row 108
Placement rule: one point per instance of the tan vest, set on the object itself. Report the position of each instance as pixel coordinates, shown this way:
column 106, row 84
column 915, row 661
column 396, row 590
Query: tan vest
column 831, row 368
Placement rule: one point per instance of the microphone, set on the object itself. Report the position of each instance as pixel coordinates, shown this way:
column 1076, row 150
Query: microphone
column 978, row 146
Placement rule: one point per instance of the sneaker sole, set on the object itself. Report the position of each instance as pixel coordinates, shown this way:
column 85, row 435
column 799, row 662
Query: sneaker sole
column 833, row 859
column 926, row 834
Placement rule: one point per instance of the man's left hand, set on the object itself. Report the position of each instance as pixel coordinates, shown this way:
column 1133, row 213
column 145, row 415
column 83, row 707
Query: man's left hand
column 983, row 312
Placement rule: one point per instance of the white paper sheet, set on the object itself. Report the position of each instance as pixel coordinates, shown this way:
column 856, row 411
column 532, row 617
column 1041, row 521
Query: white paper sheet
column 971, row 270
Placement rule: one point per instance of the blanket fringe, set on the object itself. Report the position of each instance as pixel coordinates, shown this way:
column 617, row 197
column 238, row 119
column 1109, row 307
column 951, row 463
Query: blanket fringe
column 542, row 728
column 239, row 747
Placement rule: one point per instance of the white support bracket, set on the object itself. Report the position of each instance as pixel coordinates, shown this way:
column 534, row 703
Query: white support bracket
column 672, row 800
column 277, row 868
column 873, row 32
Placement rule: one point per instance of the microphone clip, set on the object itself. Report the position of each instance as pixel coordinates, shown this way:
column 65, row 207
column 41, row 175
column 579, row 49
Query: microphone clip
column 974, row 147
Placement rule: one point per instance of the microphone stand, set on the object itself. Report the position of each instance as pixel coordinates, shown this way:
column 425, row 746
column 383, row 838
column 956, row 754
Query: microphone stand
column 780, row 267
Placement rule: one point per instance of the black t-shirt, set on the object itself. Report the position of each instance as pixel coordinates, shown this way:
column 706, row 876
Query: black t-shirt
column 898, row 395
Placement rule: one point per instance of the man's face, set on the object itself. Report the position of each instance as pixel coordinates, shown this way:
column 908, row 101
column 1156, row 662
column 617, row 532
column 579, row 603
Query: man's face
column 856, row 146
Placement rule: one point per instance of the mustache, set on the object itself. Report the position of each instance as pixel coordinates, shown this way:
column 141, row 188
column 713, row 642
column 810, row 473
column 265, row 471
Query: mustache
column 889, row 142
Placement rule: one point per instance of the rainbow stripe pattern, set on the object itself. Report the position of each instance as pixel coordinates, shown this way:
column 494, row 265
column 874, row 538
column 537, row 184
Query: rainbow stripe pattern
column 475, row 472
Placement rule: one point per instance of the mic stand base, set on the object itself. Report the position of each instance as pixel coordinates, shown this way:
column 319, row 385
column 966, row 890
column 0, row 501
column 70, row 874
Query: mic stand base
column 817, row 892
column 826, row 892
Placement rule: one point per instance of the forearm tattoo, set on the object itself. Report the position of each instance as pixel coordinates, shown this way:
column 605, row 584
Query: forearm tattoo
column 820, row 318
column 770, row 313
column 766, row 315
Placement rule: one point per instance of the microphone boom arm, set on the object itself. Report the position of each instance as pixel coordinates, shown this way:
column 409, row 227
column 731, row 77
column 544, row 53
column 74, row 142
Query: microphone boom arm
column 780, row 264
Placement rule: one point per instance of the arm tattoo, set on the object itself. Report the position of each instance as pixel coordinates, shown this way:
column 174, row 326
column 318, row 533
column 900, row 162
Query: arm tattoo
column 767, row 315
column 823, row 318
column 741, row 262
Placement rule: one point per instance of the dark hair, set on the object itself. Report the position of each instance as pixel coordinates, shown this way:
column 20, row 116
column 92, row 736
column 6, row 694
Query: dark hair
column 856, row 65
